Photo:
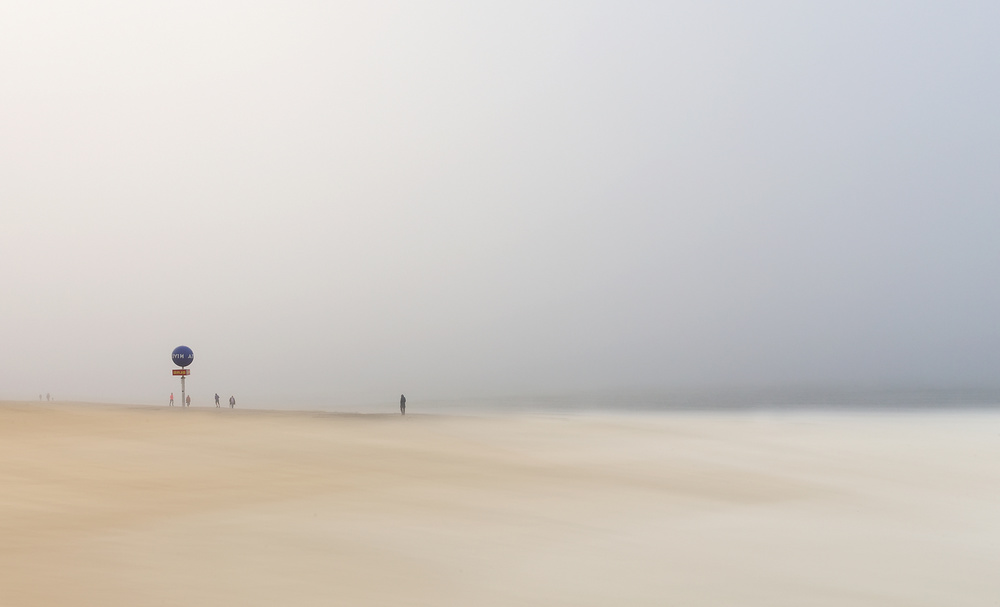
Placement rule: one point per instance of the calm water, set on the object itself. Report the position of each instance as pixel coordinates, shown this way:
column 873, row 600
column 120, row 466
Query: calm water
column 726, row 400
column 788, row 399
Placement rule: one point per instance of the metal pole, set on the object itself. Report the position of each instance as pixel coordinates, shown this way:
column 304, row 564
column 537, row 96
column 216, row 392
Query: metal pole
column 183, row 400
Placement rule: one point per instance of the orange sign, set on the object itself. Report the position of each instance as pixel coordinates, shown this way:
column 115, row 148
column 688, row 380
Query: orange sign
column 182, row 371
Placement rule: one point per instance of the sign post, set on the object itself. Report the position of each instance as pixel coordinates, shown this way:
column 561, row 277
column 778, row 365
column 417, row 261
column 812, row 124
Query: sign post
column 182, row 357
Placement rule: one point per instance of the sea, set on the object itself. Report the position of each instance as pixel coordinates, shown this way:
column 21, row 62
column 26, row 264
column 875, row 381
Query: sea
column 707, row 400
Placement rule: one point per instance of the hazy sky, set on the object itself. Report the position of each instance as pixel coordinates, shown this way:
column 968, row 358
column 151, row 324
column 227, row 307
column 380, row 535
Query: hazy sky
column 342, row 200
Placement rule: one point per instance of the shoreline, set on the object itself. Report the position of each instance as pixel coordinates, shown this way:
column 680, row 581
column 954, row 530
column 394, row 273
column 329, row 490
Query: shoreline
column 478, row 411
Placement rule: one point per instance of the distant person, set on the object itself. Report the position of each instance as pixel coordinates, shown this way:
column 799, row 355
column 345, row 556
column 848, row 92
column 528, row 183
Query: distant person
column 402, row 405
column 171, row 399
column 48, row 396
column 39, row 397
column 217, row 405
column 187, row 401
column 232, row 402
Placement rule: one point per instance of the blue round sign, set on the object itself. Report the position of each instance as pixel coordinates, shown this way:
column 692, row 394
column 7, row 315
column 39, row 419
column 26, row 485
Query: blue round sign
column 183, row 356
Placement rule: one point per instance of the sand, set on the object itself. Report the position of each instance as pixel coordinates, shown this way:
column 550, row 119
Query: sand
column 113, row 505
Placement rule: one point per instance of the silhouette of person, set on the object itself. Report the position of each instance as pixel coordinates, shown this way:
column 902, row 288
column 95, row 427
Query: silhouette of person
column 188, row 400
column 402, row 405
column 48, row 396
column 217, row 400
column 171, row 399
column 232, row 402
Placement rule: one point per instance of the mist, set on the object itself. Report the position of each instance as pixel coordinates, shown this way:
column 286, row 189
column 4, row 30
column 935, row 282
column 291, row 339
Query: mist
column 332, row 202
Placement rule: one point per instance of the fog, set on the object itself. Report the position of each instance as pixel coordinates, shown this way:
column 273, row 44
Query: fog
column 334, row 201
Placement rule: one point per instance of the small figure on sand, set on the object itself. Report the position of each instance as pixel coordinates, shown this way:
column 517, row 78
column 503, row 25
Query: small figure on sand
column 217, row 405
column 232, row 402
column 402, row 405
column 187, row 401
column 171, row 399
column 48, row 396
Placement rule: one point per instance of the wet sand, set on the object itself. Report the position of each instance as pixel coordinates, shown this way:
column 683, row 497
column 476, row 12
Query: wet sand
column 114, row 505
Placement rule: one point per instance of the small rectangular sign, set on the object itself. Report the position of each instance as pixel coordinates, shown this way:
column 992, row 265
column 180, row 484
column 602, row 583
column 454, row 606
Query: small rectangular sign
column 182, row 371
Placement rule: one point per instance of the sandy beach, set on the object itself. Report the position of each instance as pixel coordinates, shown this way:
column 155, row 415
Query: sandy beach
column 133, row 506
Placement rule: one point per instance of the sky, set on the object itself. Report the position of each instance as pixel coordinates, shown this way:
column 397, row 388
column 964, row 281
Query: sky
column 336, row 201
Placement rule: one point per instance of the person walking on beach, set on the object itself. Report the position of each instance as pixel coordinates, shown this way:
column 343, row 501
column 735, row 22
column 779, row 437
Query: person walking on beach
column 171, row 399
column 232, row 402
column 217, row 405
column 402, row 405
column 188, row 401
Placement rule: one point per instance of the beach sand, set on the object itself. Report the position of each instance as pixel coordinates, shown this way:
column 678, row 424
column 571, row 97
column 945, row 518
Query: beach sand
column 135, row 506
